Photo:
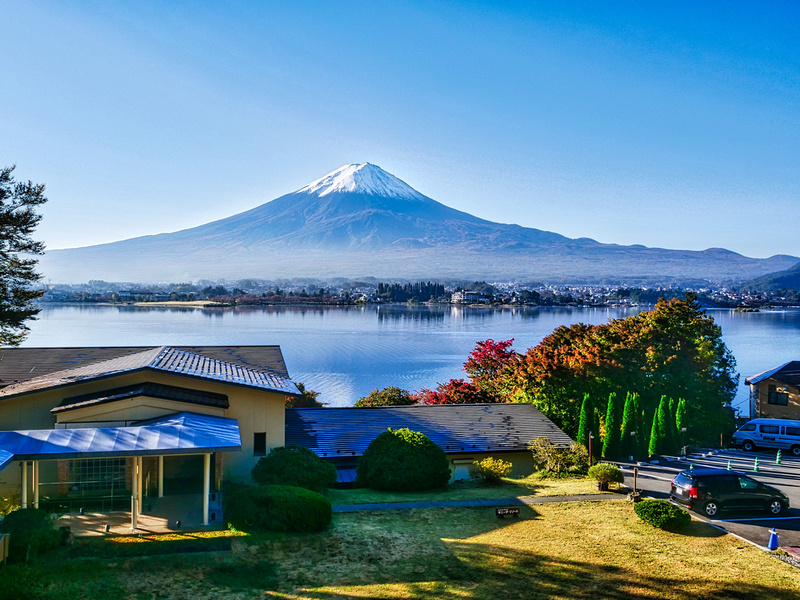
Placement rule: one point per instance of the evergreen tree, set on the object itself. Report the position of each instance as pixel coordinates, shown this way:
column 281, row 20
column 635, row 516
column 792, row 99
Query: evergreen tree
column 628, row 443
column 586, row 421
column 18, row 219
column 674, row 434
column 680, row 419
column 611, row 443
column 659, row 432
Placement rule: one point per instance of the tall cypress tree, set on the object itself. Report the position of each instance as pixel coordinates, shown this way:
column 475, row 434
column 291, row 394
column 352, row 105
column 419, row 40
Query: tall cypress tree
column 680, row 419
column 611, row 443
column 586, row 422
column 659, row 433
column 674, row 432
column 628, row 445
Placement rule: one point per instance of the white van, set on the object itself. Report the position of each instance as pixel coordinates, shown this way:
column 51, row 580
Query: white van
column 769, row 433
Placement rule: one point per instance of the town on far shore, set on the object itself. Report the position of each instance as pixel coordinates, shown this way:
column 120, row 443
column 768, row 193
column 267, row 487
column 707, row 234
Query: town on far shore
column 253, row 292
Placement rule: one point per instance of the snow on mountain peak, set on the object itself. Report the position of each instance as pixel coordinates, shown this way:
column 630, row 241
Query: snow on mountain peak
column 364, row 178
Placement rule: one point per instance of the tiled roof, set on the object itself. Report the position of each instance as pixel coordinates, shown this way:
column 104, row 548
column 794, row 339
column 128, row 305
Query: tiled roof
column 182, row 433
column 20, row 364
column 457, row 428
column 165, row 358
column 788, row 373
column 152, row 390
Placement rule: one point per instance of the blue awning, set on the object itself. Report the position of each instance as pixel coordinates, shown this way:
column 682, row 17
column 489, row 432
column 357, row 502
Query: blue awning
column 181, row 433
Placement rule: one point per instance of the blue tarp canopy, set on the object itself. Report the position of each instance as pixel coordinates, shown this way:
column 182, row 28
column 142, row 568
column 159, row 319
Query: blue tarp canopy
column 181, row 433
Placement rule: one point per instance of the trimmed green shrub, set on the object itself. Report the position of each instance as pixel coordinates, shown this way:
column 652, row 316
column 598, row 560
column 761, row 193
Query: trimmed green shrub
column 32, row 533
column 606, row 473
column 278, row 508
column 491, row 469
column 558, row 459
column 403, row 460
column 296, row 466
column 662, row 514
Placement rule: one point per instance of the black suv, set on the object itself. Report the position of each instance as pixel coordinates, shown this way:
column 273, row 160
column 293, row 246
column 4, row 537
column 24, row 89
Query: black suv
column 712, row 490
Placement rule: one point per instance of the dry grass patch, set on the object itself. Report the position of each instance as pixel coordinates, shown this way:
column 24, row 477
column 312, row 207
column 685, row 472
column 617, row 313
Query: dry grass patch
column 534, row 485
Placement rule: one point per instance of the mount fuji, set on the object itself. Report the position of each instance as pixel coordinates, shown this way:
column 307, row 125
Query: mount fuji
column 361, row 221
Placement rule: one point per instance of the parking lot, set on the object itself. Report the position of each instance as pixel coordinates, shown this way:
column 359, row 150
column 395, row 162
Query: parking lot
column 654, row 480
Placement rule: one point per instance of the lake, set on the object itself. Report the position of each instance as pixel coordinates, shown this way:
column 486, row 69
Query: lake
column 345, row 352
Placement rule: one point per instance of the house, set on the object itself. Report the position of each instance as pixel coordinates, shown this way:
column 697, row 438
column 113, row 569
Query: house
column 466, row 432
column 775, row 393
column 134, row 421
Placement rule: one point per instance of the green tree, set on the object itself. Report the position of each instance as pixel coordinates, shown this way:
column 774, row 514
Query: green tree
column 630, row 435
column 388, row 396
column 18, row 219
column 306, row 399
column 586, row 421
column 659, row 433
column 674, row 433
column 680, row 418
column 674, row 349
column 611, row 442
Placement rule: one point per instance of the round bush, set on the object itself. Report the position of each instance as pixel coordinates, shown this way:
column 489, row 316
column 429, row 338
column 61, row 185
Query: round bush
column 278, row 508
column 662, row 514
column 403, row 460
column 491, row 469
column 296, row 466
column 606, row 473
column 32, row 533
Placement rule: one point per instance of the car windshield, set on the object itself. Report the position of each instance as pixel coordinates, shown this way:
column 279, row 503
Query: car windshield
column 682, row 480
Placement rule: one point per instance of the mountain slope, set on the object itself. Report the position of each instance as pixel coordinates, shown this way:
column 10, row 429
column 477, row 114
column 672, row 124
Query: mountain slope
column 772, row 282
column 359, row 221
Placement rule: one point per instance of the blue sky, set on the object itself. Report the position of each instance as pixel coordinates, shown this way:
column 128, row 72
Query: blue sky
column 664, row 124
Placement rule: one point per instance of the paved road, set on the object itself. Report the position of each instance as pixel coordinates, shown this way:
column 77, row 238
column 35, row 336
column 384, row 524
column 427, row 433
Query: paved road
column 654, row 480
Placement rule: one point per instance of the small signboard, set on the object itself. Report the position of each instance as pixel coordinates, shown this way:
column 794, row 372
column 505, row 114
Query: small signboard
column 507, row 511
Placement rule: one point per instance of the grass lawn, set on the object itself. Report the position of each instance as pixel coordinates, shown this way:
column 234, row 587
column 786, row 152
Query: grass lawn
column 564, row 550
column 534, row 485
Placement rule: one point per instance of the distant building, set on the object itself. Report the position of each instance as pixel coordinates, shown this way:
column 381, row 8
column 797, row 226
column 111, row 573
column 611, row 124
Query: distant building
column 775, row 393
column 469, row 298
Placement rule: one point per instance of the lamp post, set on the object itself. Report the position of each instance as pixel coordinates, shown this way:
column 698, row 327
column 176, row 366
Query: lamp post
column 633, row 447
column 591, row 437
column 683, row 434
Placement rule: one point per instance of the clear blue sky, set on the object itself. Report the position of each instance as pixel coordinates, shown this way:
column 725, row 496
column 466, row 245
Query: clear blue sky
column 666, row 124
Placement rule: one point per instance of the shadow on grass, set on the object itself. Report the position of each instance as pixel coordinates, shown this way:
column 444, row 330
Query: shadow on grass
column 489, row 572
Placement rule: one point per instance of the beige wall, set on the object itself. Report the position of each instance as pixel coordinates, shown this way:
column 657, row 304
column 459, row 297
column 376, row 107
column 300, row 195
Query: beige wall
column 522, row 463
column 255, row 410
column 777, row 411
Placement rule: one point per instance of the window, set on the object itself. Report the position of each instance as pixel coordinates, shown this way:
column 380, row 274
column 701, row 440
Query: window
column 771, row 429
column 793, row 431
column 778, row 396
column 98, row 475
column 749, row 427
column 259, row 444
column 748, row 484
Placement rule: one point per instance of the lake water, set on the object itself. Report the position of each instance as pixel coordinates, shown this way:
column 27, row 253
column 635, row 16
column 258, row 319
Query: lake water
column 345, row 352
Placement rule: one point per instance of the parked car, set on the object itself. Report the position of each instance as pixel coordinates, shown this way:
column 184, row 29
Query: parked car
column 769, row 433
column 710, row 491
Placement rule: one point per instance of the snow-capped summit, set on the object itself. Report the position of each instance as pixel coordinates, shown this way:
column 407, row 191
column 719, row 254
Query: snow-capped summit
column 364, row 178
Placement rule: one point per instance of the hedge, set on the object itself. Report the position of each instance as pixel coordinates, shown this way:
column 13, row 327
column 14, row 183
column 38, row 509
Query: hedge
column 403, row 460
column 662, row 514
column 296, row 466
column 278, row 508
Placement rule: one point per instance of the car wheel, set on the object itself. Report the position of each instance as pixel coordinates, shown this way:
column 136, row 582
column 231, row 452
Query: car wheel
column 795, row 450
column 711, row 509
column 749, row 445
column 775, row 506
